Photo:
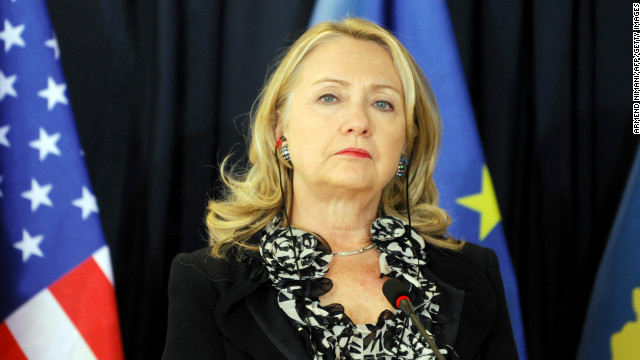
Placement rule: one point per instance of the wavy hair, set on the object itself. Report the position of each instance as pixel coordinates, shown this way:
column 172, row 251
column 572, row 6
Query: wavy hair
column 252, row 196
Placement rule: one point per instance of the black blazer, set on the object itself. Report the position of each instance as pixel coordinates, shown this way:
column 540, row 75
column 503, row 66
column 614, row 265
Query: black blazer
column 224, row 309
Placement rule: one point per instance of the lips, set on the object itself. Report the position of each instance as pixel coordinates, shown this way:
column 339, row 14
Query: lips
column 354, row 152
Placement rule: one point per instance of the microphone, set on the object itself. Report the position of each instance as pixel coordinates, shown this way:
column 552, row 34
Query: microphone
column 398, row 295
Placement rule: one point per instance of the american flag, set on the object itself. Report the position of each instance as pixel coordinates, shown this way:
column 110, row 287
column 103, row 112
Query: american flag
column 57, row 298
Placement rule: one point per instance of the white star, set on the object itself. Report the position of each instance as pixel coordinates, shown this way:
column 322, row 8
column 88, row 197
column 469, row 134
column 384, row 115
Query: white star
column 38, row 195
column 53, row 43
column 87, row 203
column 3, row 135
column 46, row 144
column 11, row 35
column 54, row 93
column 6, row 85
column 29, row 245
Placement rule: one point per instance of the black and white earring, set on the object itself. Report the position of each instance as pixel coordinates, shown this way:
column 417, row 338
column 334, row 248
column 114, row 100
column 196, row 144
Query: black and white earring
column 284, row 150
column 402, row 165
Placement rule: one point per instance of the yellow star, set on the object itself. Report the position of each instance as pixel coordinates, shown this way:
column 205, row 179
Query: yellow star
column 485, row 203
column 624, row 344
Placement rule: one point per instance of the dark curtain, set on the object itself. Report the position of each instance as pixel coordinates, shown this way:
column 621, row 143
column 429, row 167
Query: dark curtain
column 161, row 91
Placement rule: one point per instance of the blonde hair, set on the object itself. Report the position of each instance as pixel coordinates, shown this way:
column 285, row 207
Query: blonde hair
column 252, row 197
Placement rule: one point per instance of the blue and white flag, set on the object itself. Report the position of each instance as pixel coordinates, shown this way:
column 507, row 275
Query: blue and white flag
column 462, row 177
column 58, row 299
column 612, row 327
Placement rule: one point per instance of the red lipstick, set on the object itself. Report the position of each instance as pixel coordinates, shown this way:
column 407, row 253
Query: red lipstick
column 354, row 152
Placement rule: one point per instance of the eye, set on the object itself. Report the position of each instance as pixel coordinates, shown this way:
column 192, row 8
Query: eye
column 328, row 98
column 383, row 105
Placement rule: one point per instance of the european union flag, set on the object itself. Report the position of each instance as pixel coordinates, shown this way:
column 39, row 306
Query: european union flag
column 58, row 300
column 463, row 180
column 612, row 326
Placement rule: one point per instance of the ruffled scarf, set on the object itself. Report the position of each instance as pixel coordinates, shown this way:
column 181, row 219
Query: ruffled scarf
column 329, row 333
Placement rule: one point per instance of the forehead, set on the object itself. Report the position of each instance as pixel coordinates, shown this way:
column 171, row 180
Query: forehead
column 350, row 59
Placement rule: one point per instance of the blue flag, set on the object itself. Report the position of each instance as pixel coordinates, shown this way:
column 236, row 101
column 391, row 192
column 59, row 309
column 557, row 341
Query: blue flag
column 462, row 177
column 612, row 326
column 58, row 299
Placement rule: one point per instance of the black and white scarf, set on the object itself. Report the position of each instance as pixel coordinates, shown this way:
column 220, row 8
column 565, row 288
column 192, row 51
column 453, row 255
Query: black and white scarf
column 329, row 332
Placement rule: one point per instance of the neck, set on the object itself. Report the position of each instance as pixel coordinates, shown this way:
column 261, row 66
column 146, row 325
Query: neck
column 343, row 220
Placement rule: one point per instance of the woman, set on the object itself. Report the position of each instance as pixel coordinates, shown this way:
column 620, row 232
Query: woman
column 304, row 239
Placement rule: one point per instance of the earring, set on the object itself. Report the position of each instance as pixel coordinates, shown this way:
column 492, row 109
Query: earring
column 402, row 165
column 284, row 150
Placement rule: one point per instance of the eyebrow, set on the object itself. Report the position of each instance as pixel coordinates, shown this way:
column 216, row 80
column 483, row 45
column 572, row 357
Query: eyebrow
column 346, row 84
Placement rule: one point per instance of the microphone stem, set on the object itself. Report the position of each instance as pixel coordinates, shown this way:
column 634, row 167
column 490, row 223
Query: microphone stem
column 406, row 308
column 430, row 341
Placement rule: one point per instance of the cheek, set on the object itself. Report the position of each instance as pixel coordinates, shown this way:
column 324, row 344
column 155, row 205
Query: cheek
column 395, row 142
column 310, row 136
column 305, row 147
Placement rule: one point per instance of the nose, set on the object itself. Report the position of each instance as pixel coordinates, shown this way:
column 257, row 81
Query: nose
column 357, row 121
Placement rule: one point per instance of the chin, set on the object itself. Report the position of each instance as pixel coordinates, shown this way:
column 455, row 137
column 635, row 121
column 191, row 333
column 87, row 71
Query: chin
column 353, row 182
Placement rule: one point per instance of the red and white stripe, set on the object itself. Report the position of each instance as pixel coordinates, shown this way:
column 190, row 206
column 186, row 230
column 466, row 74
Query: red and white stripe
column 74, row 318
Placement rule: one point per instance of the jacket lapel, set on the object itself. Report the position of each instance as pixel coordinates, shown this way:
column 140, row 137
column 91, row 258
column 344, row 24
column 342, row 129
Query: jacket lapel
column 253, row 302
column 479, row 308
column 450, row 313
column 263, row 306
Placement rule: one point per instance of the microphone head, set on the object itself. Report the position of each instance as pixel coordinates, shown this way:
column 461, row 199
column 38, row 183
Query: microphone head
column 394, row 289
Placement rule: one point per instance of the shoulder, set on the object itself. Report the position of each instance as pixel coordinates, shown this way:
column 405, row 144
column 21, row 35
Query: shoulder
column 473, row 269
column 470, row 256
column 199, row 267
column 197, row 282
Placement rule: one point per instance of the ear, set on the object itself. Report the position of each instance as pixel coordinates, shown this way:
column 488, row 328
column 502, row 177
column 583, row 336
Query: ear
column 279, row 131
column 405, row 149
column 408, row 142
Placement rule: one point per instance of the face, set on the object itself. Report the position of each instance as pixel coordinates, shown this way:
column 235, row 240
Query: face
column 345, row 123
